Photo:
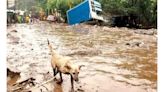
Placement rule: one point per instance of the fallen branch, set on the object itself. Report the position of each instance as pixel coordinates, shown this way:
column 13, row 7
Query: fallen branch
column 18, row 88
column 42, row 83
column 24, row 81
column 20, row 85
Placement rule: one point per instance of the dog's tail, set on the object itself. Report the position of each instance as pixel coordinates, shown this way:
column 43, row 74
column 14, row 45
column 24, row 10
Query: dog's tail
column 50, row 47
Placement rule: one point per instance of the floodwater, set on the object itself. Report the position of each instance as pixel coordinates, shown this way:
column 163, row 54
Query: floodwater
column 115, row 59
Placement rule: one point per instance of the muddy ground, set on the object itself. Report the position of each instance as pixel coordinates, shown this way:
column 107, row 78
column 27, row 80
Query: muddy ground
column 115, row 59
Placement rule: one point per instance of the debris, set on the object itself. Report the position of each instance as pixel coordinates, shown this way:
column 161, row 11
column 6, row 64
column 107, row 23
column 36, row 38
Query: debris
column 51, row 18
column 134, row 44
column 11, row 73
column 81, row 90
column 14, row 31
column 23, row 85
column 42, row 83
column 12, row 76
column 86, row 52
column 29, row 80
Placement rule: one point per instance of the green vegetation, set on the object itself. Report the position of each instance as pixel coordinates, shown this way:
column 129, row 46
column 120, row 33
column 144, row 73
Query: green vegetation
column 145, row 9
column 49, row 6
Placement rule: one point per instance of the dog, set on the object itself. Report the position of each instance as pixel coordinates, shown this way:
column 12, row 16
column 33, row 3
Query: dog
column 61, row 64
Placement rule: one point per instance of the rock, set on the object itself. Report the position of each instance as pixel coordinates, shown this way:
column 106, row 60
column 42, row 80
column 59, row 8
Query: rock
column 81, row 90
column 12, row 73
column 14, row 31
column 134, row 44
column 86, row 52
column 127, row 44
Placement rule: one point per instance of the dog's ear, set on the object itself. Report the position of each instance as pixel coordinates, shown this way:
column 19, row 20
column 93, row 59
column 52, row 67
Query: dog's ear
column 68, row 66
column 81, row 66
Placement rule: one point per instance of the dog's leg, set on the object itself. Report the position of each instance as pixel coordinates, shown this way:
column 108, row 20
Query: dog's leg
column 61, row 79
column 55, row 71
column 72, row 86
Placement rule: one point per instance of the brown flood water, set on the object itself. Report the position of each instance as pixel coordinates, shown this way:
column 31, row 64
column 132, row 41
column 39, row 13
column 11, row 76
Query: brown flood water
column 115, row 59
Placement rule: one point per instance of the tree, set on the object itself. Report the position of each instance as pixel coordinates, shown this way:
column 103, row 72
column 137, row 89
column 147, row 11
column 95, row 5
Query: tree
column 146, row 10
column 61, row 5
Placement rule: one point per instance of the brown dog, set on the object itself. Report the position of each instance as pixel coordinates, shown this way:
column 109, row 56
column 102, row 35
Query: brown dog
column 61, row 64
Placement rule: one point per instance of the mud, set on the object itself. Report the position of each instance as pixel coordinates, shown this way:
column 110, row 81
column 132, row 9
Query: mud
column 115, row 59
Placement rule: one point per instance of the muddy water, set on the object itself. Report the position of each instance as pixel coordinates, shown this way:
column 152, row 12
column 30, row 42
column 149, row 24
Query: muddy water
column 115, row 59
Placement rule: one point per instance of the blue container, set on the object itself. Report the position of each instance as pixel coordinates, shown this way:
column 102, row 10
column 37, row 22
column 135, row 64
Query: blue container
column 85, row 11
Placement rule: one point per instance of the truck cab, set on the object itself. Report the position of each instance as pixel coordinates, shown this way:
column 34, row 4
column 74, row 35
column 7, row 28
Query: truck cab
column 96, row 10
